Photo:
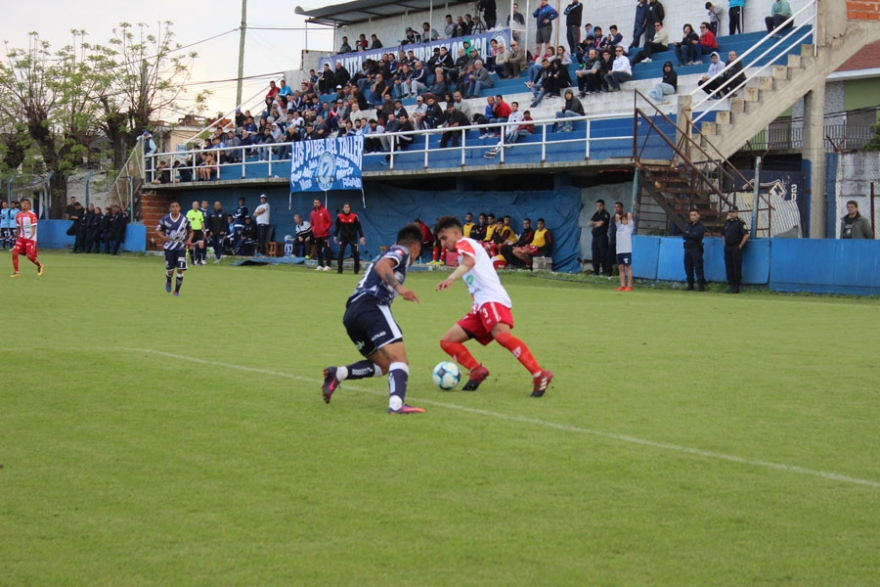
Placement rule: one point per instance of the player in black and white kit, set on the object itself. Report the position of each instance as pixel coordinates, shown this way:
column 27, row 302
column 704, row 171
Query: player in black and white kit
column 372, row 328
column 177, row 234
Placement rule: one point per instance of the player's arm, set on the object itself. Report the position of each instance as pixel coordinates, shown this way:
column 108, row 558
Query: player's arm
column 384, row 268
column 189, row 237
column 466, row 263
column 161, row 230
column 360, row 230
column 742, row 243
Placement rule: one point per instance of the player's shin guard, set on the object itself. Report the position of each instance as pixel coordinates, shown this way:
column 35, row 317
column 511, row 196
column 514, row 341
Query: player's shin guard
column 460, row 354
column 179, row 281
column 520, row 351
column 360, row 370
column 398, row 375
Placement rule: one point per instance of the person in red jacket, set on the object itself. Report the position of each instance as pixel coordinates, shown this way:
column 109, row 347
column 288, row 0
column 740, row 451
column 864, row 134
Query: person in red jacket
column 321, row 223
column 427, row 238
column 349, row 225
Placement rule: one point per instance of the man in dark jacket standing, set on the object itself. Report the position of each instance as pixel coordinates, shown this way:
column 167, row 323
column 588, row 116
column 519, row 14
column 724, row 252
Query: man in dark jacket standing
column 656, row 13
column 735, row 236
column 217, row 227
column 854, row 225
column 349, row 226
column 599, row 223
column 573, row 18
column 693, row 234
column 321, row 223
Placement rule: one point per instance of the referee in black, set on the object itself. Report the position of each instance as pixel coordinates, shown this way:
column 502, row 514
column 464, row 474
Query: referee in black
column 599, row 223
column 735, row 236
column 693, row 234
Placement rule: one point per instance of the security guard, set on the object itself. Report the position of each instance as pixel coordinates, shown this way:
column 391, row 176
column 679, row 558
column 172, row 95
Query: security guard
column 735, row 236
column 693, row 234
column 600, row 222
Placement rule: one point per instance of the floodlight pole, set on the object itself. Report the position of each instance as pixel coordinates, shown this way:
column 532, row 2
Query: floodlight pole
column 241, row 37
column 756, row 204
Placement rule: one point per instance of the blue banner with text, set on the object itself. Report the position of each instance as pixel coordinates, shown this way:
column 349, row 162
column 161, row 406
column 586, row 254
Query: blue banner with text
column 327, row 164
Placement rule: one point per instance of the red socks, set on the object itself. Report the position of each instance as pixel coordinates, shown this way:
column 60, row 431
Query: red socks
column 460, row 354
column 520, row 351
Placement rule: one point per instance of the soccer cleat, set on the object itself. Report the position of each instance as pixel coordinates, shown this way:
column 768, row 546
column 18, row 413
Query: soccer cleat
column 542, row 382
column 621, row 288
column 405, row 409
column 628, row 288
column 16, row 274
column 477, row 376
column 177, row 294
column 330, row 383
column 40, row 270
column 168, row 286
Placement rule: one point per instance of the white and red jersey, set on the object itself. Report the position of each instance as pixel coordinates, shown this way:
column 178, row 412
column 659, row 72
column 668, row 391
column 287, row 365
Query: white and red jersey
column 482, row 280
column 27, row 225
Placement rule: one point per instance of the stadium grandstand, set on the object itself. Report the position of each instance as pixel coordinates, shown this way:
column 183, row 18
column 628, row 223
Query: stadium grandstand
column 431, row 89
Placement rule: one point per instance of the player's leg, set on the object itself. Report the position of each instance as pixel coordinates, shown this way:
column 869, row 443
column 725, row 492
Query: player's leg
column 540, row 377
column 629, row 275
column 452, row 344
column 181, row 268
column 356, row 253
column 340, row 256
column 16, row 250
column 391, row 358
column 31, row 252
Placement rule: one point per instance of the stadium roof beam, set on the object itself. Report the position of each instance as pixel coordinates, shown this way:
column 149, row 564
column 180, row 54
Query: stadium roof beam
column 365, row 10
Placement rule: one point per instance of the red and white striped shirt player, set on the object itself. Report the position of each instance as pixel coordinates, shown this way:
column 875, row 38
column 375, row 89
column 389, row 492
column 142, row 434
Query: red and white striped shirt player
column 490, row 317
column 26, row 243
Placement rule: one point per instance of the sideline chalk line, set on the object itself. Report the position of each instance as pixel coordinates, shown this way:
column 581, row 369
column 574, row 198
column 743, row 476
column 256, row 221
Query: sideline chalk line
column 537, row 422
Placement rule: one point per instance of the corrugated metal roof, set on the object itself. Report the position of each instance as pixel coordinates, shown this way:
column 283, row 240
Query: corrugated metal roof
column 364, row 10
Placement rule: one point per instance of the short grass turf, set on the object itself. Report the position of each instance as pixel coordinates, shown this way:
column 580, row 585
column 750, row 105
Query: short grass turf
column 687, row 439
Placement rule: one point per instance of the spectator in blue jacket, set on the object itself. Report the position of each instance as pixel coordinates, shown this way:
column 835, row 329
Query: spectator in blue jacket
column 544, row 15
column 640, row 24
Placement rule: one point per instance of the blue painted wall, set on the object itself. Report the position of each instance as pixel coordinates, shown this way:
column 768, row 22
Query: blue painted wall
column 52, row 235
column 791, row 265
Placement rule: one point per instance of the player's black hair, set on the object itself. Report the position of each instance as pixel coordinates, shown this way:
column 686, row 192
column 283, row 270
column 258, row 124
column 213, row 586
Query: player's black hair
column 409, row 235
column 600, row 201
column 28, row 200
column 445, row 222
column 541, row 220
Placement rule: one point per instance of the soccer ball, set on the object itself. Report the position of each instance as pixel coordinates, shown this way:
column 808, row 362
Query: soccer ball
column 446, row 375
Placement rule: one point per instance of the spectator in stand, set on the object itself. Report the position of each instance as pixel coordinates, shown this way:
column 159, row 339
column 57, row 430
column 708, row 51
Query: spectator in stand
column 514, row 133
column 302, row 247
column 659, row 44
column 399, row 81
column 736, row 17
column 439, row 87
column 541, row 86
column 419, row 112
column 714, row 17
column 570, row 109
column 479, row 80
column 248, row 243
column 402, row 141
column 641, row 23
column 469, row 24
column 434, row 115
column 573, row 17
column 621, row 71
column 418, row 81
column 683, row 48
column 429, row 34
column 517, row 24
column 454, row 119
column 489, row 9
column 321, row 224
column 667, row 87
column 348, row 233
column 409, row 38
column 285, row 90
column 707, row 44
column 544, row 15
column 379, row 90
column 733, row 75
column 362, row 43
column 589, row 77
column 501, row 112
column 273, row 91
column 562, row 56
column 373, row 144
column 376, row 43
column 162, row 175
column 341, row 76
column 656, row 14
column 780, row 11
column 263, row 216
column 345, row 47
column 449, row 27
column 477, row 28
column 709, row 82
column 327, row 80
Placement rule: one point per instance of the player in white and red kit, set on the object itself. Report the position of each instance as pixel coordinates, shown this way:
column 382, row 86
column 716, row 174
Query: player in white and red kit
column 26, row 243
column 491, row 318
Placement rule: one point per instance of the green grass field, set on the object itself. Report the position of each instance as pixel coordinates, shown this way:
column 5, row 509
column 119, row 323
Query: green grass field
column 688, row 439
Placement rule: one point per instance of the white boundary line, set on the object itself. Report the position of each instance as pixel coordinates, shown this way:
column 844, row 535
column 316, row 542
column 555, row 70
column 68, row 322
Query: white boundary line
column 536, row 422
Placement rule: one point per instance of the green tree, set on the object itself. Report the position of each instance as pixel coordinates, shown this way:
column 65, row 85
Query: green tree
column 874, row 143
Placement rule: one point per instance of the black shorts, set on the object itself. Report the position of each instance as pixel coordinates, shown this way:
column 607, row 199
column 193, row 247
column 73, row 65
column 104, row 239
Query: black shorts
column 198, row 235
column 370, row 325
column 175, row 259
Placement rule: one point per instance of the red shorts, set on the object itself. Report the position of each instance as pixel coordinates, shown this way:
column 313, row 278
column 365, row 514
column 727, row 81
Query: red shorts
column 479, row 323
column 26, row 246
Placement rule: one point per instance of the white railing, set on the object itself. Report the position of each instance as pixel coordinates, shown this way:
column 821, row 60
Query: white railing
column 541, row 129
column 802, row 33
